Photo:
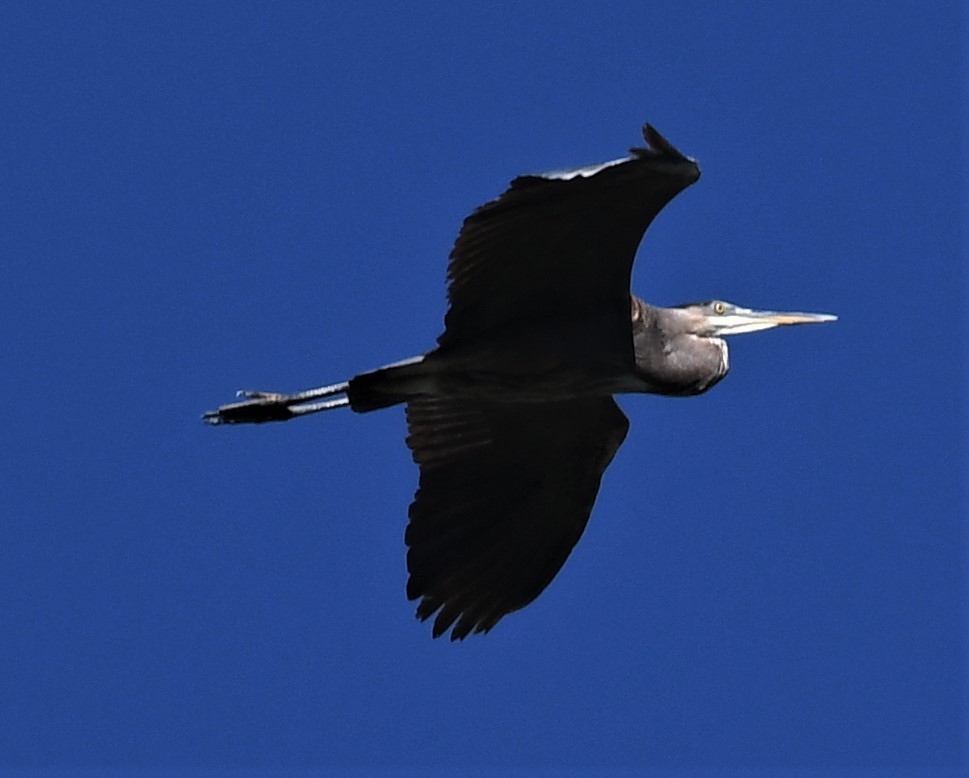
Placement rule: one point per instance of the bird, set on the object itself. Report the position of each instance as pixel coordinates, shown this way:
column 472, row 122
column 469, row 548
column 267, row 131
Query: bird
column 512, row 418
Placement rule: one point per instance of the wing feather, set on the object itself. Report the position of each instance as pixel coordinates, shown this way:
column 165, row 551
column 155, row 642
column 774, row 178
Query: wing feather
column 495, row 518
column 562, row 241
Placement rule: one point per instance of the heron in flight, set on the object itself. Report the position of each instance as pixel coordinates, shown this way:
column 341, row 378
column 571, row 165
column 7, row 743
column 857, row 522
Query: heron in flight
column 511, row 418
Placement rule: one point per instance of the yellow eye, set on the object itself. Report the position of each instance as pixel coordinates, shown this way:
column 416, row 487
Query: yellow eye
column 719, row 308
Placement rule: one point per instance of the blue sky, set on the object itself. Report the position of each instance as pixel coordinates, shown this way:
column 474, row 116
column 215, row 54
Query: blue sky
column 239, row 195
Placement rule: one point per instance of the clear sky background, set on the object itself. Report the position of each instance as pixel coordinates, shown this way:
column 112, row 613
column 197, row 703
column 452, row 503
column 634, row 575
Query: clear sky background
column 198, row 198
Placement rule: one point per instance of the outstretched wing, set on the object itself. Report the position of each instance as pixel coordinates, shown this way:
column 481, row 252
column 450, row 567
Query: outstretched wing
column 505, row 493
column 564, row 240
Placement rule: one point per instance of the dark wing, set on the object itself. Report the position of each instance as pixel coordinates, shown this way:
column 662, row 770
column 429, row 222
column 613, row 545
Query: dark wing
column 505, row 492
column 560, row 241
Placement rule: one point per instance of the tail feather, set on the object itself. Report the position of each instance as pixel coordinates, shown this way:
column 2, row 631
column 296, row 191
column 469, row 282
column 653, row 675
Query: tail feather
column 387, row 386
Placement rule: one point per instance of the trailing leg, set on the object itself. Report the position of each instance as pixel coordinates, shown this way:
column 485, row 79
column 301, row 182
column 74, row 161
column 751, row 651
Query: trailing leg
column 259, row 407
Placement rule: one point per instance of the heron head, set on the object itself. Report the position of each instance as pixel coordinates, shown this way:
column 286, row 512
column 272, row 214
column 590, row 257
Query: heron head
column 716, row 318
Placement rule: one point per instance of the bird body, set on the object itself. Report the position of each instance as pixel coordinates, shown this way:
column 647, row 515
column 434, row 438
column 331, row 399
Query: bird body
column 531, row 364
column 511, row 418
column 548, row 360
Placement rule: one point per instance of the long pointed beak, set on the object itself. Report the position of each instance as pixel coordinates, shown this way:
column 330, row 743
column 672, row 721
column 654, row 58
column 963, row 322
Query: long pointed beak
column 740, row 320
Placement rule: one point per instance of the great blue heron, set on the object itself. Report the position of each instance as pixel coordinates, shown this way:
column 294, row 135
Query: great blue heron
column 511, row 418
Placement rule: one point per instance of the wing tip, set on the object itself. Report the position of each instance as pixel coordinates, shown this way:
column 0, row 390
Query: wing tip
column 658, row 147
column 657, row 150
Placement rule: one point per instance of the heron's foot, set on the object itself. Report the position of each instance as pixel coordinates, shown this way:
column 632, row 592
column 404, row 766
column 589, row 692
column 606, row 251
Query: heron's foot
column 250, row 394
column 258, row 407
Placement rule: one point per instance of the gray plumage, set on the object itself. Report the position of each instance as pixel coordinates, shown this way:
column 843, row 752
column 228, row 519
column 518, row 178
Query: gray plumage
column 511, row 418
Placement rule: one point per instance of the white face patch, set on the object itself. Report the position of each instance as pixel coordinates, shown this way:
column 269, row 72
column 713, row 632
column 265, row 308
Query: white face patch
column 738, row 324
column 581, row 172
